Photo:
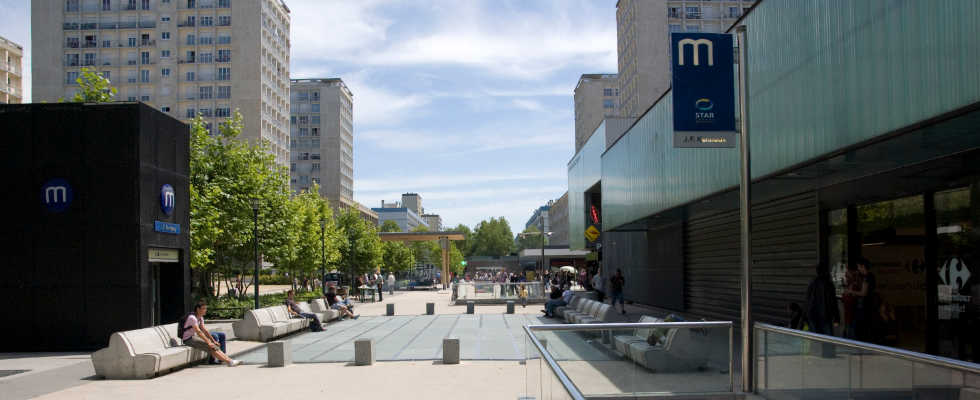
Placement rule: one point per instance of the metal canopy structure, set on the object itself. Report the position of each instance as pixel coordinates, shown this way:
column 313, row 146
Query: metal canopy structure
column 442, row 237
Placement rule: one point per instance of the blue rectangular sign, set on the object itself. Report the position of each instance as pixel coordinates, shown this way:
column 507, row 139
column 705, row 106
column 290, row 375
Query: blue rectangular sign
column 166, row 227
column 703, row 89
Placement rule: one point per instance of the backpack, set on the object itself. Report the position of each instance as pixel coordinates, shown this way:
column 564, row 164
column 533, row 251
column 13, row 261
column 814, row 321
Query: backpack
column 180, row 326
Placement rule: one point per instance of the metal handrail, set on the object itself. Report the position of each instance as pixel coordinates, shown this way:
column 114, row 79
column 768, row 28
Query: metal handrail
column 567, row 383
column 907, row 355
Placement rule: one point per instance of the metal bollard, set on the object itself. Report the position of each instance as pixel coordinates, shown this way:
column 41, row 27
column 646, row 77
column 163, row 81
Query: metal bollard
column 430, row 308
column 510, row 306
column 279, row 354
column 390, row 309
column 364, row 352
column 470, row 306
column 450, row 351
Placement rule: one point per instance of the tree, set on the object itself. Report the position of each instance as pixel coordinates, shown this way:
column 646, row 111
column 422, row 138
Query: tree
column 93, row 88
column 492, row 238
column 464, row 245
column 397, row 256
column 361, row 250
column 532, row 240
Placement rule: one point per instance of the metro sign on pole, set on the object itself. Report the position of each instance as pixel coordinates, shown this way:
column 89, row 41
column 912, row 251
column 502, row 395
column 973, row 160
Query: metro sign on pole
column 703, row 89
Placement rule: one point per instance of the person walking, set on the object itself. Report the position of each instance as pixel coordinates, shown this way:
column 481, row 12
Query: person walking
column 598, row 285
column 522, row 293
column 391, row 283
column 616, row 285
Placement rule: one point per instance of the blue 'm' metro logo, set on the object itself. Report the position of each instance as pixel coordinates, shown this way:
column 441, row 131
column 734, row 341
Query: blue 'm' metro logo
column 56, row 195
column 167, row 199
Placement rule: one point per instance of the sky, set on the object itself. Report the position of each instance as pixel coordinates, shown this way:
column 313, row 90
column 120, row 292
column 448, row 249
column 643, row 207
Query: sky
column 467, row 103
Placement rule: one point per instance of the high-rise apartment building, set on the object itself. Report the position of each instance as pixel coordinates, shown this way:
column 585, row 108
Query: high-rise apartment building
column 596, row 97
column 413, row 201
column 434, row 221
column 643, row 36
column 11, row 55
column 321, row 130
column 184, row 57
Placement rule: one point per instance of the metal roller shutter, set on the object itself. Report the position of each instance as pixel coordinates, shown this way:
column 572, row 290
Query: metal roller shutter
column 785, row 249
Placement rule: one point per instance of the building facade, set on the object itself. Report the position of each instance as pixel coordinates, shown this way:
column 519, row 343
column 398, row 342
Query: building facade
column 596, row 97
column 406, row 218
column 183, row 57
column 413, row 202
column 558, row 219
column 11, row 76
column 434, row 221
column 832, row 184
column 540, row 218
column 322, row 138
column 643, row 30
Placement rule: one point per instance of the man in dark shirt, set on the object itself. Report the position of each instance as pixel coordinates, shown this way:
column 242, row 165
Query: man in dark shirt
column 296, row 312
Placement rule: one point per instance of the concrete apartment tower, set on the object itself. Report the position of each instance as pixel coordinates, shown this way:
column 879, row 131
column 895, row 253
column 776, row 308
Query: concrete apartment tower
column 321, row 130
column 11, row 79
column 643, row 30
column 413, row 201
column 184, row 57
column 434, row 221
column 596, row 97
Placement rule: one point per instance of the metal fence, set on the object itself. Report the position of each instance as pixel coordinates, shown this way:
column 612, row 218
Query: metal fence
column 493, row 291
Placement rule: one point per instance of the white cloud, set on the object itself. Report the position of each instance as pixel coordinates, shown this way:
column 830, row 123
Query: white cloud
column 529, row 105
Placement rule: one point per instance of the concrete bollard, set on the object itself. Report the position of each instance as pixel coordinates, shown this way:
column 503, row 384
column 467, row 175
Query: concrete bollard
column 280, row 354
column 430, row 308
column 364, row 352
column 450, row 351
column 510, row 306
column 390, row 309
column 470, row 306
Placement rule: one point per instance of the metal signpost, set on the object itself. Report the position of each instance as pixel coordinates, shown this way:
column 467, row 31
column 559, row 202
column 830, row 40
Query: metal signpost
column 704, row 117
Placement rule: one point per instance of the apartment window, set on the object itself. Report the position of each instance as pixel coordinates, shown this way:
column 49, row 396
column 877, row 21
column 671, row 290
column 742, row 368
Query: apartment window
column 145, row 75
column 292, row 120
column 190, row 40
column 224, row 55
column 132, row 42
column 224, row 39
column 224, row 3
column 607, row 92
column 315, row 156
column 224, row 92
column 71, row 60
column 673, row 12
column 71, row 77
column 107, row 74
column 191, row 113
column 145, row 57
column 693, row 12
column 207, row 58
column 302, row 96
column 292, row 144
column 316, row 166
column 222, row 112
column 303, row 120
column 145, row 98
column 206, row 92
column 207, row 21
column 131, row 5
column 165, row 109
column 733, row 12
column 131, row 98
column 71, row 5
column 224, row 74
column 315, row 95
column 165, row 18
column 315, row 132
column 292, row 167
column 190, row 3
column 164, row 53
column 106, row 5
column 106, row 43
column 189, row 76
column 224, row 20
column 315, row 142
column 71, row 43
column 145, row 4
column 190, row 57
column 205, row 112
column 304, row 132
column 304, row 156
column 676, row 28
column 315, row 107
column 89, row 59
column 315, row 120
column 165, row 35
column 205, row 40
column 608, row 104
column 165, row 72
column 693, row 28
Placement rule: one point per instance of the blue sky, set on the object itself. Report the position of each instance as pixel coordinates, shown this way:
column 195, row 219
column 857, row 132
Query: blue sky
column 468, row 103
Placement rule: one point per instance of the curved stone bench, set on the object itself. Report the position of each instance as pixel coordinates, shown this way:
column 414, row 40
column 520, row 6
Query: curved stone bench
column 265, row 324
column 144, row 353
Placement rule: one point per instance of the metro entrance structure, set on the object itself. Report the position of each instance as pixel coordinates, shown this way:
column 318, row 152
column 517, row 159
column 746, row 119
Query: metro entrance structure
column 442, row 237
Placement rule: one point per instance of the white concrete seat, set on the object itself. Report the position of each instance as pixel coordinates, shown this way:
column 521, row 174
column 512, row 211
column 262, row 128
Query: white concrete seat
column 560, row 311
column 684, row 350
column 143, row 353
column 622, row 342
column 319, row 307
column 589, row 310
column 265, row 324
column 580, row 308
column 599, row 314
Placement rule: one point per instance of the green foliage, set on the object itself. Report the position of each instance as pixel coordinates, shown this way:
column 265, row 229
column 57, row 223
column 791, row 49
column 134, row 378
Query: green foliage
column 360, row 246
column 492, row 238
column 225, row 307
column 530, row 239
column 465, row 244
column 389, row 226
column 93, row 88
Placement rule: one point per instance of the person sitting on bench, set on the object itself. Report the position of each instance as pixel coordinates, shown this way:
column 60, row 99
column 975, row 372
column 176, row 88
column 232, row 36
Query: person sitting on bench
column 334, row 301
column 194, row 334
column 296, row 312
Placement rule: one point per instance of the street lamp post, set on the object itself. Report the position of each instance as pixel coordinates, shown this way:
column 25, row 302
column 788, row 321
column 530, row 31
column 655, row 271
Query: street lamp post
column 255, row 237
column 323, row 256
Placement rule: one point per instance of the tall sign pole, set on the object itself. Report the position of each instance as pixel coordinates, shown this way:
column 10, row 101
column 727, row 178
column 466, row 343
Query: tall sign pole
column 746, row 208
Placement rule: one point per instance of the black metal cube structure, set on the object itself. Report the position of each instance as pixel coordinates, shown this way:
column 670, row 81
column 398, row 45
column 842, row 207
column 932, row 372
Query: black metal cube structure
column 97, row 212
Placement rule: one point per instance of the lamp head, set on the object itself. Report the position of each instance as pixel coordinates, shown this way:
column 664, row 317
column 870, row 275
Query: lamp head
column 255, row 203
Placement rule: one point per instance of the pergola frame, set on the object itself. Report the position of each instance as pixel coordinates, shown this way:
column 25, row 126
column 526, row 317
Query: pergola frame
column 442, row 237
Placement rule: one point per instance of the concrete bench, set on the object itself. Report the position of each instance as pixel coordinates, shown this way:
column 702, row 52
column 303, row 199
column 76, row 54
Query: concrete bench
column 265, row 324
column 622, row 342
column 682, row 350
column 144, row 353
column 560, row 311
column 322, row 310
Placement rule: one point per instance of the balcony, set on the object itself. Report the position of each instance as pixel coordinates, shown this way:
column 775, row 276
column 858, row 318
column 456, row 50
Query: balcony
column 185, row 61
column 223, row 59
column 130, row 62
column 186, row 24
column 148, row 24
column 72, row 63
column 90, row 45
column 148, row 43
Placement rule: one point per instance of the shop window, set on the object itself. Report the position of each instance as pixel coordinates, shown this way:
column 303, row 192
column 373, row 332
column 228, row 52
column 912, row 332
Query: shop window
column 958, row 279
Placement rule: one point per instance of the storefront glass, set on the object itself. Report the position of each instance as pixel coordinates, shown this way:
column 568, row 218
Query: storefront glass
column 958, row 287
